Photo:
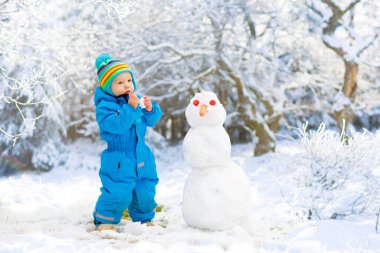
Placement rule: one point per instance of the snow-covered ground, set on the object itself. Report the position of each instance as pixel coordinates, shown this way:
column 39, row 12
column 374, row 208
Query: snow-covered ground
column 52, row 212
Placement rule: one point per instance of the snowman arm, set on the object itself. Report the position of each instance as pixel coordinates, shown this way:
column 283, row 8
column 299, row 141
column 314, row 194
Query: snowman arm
column 152, row 117
column 115, row 119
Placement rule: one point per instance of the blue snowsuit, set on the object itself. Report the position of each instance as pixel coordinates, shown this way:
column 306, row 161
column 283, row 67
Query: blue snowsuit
column 128, row 169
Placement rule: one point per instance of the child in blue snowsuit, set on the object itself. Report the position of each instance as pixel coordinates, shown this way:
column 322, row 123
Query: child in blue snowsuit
column 128, row 171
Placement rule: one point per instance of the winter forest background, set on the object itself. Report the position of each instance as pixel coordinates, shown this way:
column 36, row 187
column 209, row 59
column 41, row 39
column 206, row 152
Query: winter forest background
column 280, row 68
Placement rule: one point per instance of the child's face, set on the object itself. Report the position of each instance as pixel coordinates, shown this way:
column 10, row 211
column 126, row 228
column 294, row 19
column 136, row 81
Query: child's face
column 122, row 84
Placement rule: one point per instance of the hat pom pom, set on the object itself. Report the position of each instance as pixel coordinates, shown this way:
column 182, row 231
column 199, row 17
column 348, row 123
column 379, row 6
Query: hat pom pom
column 102, row 60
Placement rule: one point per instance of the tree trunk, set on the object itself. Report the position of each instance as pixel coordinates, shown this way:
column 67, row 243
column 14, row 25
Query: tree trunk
column 349, row 88
column 350, row 79
column 254, row 122
column 351, row 68
column 266, row 139
column 246, row 107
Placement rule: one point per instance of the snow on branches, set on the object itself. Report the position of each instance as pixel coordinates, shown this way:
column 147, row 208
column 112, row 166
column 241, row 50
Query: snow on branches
column 335, row 175
column 118, row 9
column 22, row 95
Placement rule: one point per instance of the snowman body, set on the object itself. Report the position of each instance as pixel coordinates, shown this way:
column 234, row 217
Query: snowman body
column 210, row 146
column 216, row 194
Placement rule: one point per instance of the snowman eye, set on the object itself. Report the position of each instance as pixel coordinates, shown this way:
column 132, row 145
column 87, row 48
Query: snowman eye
column 196, row 102
column 212, row 102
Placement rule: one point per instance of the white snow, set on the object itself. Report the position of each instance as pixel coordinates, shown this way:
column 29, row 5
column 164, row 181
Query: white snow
column 52, row 212
column 141, row 102
column 210, row 145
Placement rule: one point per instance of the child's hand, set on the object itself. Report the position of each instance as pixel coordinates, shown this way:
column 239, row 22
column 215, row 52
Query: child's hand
column 133, row 100
column 148, row 104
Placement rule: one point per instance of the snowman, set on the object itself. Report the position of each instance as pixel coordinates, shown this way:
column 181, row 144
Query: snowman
column 216, row 194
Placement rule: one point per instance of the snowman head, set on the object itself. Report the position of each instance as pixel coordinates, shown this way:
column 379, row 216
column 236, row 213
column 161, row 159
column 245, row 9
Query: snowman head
column 205, row 109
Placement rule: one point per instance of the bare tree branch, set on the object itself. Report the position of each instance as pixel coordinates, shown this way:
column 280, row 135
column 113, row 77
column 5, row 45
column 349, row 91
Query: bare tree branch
column 369, row 42
column 3, row 3
column 312, row 7
column 351, row 6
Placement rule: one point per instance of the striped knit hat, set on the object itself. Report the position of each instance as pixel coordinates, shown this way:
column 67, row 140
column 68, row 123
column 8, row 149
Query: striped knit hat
column 108, row 69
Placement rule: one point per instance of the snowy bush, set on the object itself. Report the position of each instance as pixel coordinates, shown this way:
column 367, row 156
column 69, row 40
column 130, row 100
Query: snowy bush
column 335, row 175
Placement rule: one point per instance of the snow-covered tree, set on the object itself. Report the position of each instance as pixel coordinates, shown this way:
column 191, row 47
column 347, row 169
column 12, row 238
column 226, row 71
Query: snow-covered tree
column 31, row 118
column 48, row 76
column 215, row 49
column 257, row 56
column 337, row 22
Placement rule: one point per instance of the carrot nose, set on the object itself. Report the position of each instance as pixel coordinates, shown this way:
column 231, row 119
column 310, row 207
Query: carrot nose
column 203, row 110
